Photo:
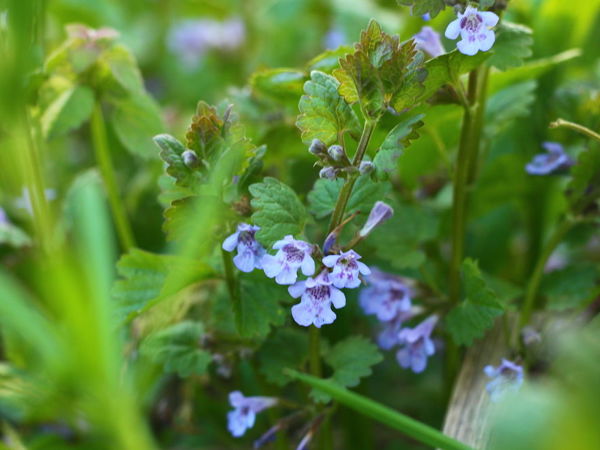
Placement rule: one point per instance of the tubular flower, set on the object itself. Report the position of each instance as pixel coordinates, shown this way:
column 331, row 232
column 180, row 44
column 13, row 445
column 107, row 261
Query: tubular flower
column 245, row 411
column 317, row 295
column 249, row 251
column 345, row 269
column 474, row 27
column 292, row 255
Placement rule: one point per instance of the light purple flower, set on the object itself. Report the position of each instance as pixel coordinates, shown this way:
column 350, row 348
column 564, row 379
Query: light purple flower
column 474, row 27
column 24, row 201
column 292, row 255
column 555, row 160
column 333, row 39
column 507, row 377
column 346, row 268
column 244, row 414
column 426, row 17
column 389, row 336
column 385, row 296
column 417, row 345
column 429, row 41
column 249, row 251
column 3, row 217
column 317, row 295
column 379, row 213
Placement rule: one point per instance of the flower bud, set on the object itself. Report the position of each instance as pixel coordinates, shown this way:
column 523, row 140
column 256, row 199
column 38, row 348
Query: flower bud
column 336, row 152
column 366, row 167
column 328, row 172
column 379, row 214
column 317, row 147
column 190, row 159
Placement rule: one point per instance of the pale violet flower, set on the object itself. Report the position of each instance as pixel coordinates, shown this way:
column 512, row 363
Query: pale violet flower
column 507, row 377
column 379, row 213
column 429, row 41
column 249, row 251
column 24, row 201
column 291, row 255
column 245, row 411
column 553, row 161
column 417, row 345
column 346, row 268
column 333, row 39
column 385, row 296
column 3, row 217
column 316, row 297
column 389, row 337
column 474, row 27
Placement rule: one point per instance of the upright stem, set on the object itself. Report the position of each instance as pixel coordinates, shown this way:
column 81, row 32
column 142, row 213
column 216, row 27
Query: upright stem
column 314, row 361
column 108, row 176
column 232, row 287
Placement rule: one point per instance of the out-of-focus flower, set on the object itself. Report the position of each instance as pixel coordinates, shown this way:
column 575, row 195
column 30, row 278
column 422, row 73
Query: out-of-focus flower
column 417, row 345
column 191, row 39
column 329, row 173
column 530, row 336
column 249, row 251
column 389, row 336
column 292, row 255
column 475, row 29
column 366, row 167
column 385, row 296
column 79, row 31
column 426, row 17
column 336, row 152
column 380, row 212
column 317, row 295
column 317, row 147
column 246, row 409
column 334, row 39
column 555, row 160
column 507, row 377
column 24, row 201
column 345, row 269
column 3, row 217
column 429, row 41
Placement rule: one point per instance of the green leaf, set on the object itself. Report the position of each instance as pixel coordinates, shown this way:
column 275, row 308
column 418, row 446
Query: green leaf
column 570, row 287
column 170, row 152
column 397, row 140
column 328, row 60
column 280, row 84
column 350, row 360
column 485, row 4
column 68, row 111
column 123, row 69
column 286, row 348
column 399, row 239
column 477, row 312
column 324, row 114
column 584, row 189
column 507, row 105
column 512, row 46
column 205, row 133
column 136, row 119
column 370, row 408
column 278, row 211
column 13, row 236
column 177, row 349
column 323, row 197
column 421, row 7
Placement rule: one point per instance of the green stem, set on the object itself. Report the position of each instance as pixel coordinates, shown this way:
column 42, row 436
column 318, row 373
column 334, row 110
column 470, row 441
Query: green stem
column 478, row 121
column 232, row 288
column 575, row 126
column 107, row 171
column 314, row 361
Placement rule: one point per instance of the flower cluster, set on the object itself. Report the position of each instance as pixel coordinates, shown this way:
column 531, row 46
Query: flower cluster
column 507, row 377
column 389, row 299
column 335, row 161
column 555, row 160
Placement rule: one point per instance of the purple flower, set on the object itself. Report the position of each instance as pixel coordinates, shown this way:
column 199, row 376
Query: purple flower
column 379, row 213
column 507, row 377
column 329, row 173
column 389, row 336
column 429, row 41
column 24, row 201
column 3, row 217
column 555, row 160
column 244, row 414
column 426, row 17
column 474, row 27
column 292, row 255
column 317, row 295
column 417, row 345
column 249, row 251
column 386, row 296
column 346, row 268
column 366, row 167
column 333, row 39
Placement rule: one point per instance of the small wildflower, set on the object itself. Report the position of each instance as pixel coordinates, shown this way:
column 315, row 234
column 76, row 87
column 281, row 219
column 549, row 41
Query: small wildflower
column 249, row 251
column 379, row 213
column 366, row 167
column 190, row 159
column 555, row 160
column 292, row 255
column 3, row 217
column 79, row 31
column 346, row 268
column 426, row 17
column 317, row 295
column 333, row 39
column 417, row 345
column 336, row 152
column 24, row 201
column 329, row 173
column 474, row 27
column 429, row 41
column 385, row 296
column 507, row 377
column 244, row 414
column 388, row 338
column 330, row 241
column 317, row 147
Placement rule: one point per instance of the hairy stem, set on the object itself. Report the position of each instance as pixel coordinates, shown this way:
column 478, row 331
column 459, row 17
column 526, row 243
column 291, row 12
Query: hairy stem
column 107, row 171
column 575, row 126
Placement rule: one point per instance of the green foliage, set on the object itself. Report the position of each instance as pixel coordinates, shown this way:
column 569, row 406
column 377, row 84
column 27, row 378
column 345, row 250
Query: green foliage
column 328, row 61
column 67, row 111
column 584, row 189
column 178, row 349
column 507, row 105
column 13, row 236
column 279, row 84
column 397, row 140
column 570, row 287
column 381, row 73
column 420, row 7
column 350, row 360
column 470, row 319
column 485, row 4
column 324, row 114
column 323, row 196
column 285, row 348
column 278, row 211
column 512, row 46
column 170, row 152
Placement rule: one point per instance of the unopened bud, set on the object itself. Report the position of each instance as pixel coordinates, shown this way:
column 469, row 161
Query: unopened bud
column 380, row 213
column 317, row 147
column 336, row 152
column 190, row 159
column 328, row 172
column 366, row 167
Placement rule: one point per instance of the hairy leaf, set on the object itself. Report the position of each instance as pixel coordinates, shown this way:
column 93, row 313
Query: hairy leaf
column 68, row 111
column 205, row 133
column 280, row 84
column 512, row 46
column 421, row 7
column 397, row 140
column 170, row 152
column 286, row 348
column 324, row 114
column 570, row 287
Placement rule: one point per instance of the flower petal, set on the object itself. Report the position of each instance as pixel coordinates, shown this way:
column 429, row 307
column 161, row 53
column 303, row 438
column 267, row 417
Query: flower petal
column 286, row 276
column 244, row 260
column 486, row 40
column 303, row 314
column 308, row 265
column 337, row 298
column 453, row 29
column 231, row 242
column 489, row 18
column 297, row 289
column 270, row 265
column 468, row 47
column 329, row 261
